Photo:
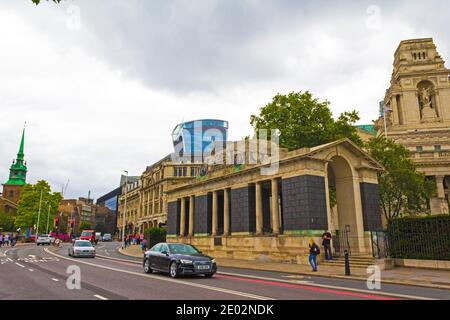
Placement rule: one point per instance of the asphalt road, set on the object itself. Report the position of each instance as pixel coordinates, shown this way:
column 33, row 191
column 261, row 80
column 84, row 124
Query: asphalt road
column 31, row 272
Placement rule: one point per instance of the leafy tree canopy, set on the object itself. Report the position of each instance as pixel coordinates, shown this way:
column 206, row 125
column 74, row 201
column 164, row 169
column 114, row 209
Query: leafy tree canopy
column 85, row 225
column 304, row 121
column 6, row 222
column 28, row 206
column 402, row 188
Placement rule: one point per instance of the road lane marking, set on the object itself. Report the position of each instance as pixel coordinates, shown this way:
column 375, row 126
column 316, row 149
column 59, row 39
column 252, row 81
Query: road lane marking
column 20, row 265
column 307, row 283
column 54, row 279
column 310, row 288
column 106, row 251
column 382, row 293
column 149, row 276
column 30, row 270
column 100, row 297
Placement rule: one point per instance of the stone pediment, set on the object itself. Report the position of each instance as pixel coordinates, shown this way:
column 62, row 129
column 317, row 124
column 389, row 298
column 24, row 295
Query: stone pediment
column 324, row 152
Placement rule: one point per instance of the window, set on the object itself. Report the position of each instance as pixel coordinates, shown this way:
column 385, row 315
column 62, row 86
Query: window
column 157, row 248
column 437, row 147
column 193, row 172
column 184, row 171
column 415, row 56
column 11, row 194
column 419, row 149
column 165, row 248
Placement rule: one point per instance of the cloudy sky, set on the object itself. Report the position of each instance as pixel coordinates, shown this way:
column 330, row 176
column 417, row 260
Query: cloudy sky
column 102, row 83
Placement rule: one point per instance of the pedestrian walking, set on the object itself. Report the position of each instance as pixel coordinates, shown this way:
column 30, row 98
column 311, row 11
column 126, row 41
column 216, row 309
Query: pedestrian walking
column 314, row 251
column 6, row 240
column 326, row 242
column 1, row 239
column 143, row 245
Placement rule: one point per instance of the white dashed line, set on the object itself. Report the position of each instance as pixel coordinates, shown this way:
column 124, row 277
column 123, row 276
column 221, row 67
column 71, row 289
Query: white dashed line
column 100, row 297
column 30, row 270
column 22, row 266
column 54, row 279
column 149, row 276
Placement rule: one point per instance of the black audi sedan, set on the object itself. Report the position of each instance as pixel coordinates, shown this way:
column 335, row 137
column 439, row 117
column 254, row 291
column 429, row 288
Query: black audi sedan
column 178, row 259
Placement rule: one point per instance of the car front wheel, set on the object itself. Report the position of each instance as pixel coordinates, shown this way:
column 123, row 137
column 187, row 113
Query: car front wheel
column 173, row 270
column 147, row 268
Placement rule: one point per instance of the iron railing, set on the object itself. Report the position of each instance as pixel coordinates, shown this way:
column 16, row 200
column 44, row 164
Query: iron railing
column 341, row 243
column 427, row 239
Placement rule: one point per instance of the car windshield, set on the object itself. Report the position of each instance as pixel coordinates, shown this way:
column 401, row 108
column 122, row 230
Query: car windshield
column 182, row 249
column 82, row 244
column 86, row 234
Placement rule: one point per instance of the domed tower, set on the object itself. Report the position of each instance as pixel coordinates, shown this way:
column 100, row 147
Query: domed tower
column 418, row 101
column 17, row 179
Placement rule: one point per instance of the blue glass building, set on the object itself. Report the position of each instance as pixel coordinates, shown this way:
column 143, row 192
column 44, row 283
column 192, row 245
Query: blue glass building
column 194, row 139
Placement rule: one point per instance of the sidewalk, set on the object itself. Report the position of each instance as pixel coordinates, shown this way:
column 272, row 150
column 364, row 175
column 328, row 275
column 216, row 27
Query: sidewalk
column 438, row 279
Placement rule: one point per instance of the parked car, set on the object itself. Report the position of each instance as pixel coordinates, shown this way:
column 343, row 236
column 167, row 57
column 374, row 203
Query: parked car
column 107, row 237
column 98, row 237
column 44, row 239
column 82, row 248
column 178, row 259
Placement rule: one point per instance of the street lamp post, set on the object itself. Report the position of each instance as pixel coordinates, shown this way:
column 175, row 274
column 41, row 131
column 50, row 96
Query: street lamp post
column 124, row 209
column 48, row 216
column 39, row 216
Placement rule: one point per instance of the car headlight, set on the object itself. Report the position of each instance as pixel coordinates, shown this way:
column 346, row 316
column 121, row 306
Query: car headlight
column 186, row 261
column 213, row 261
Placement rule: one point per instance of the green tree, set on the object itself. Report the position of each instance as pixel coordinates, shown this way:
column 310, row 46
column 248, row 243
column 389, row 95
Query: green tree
column 304, row 121
column 28, row 206
column 402, row 188
column 85, row 225
column 6, row 221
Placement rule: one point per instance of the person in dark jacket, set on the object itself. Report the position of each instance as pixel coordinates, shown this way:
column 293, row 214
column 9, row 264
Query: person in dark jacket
column 314, row 251
column 326, row 237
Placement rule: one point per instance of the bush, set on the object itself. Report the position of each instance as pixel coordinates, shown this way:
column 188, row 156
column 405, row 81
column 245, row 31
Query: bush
column 424, row 238
column 155, row 236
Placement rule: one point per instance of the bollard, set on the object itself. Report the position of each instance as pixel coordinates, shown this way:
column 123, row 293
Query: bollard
column 347, row 264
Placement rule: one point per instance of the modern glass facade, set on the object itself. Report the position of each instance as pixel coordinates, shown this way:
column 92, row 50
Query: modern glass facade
column 192, row 140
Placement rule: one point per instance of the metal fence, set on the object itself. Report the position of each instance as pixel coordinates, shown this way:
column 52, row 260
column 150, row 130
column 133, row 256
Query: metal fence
column 341, row 243
column 380, row 244
column 427, row 239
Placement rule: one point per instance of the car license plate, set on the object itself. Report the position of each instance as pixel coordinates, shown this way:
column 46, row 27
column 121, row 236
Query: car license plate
column 203, row 267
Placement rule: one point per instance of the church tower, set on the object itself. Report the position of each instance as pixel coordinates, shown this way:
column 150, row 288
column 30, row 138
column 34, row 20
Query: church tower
column 17, row 179
column 419, row 100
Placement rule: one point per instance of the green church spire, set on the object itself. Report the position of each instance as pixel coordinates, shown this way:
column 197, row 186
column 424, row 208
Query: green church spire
column 18, row 170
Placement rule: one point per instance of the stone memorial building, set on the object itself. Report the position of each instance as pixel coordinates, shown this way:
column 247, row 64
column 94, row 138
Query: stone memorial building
column 238, row 212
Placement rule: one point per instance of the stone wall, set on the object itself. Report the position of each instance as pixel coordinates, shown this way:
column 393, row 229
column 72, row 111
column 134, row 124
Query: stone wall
column 370, row 201
column 203, row 215
column 243, row 212
column 173, row 218
column 304, row 203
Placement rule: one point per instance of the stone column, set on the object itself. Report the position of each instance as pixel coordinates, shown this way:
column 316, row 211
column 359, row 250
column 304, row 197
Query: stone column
column 182, row 217
column 275, row 208
column 226, row 212
column 215, row 221
column 440, row 187
column 191, row 216
column 153, row 201
column 258, row 205
column 442, row 206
